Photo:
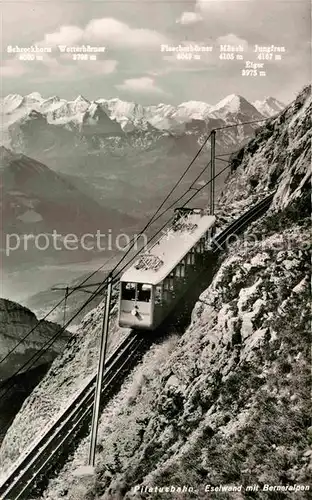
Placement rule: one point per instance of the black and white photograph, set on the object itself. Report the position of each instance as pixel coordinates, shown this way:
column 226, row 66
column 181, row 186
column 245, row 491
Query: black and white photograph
column 155, row 300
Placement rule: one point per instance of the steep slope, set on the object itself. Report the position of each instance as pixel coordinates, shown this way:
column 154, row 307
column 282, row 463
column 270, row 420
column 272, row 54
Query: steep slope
column 228, row 403
column 35, row 199
column 16, row 322
column 278, row 157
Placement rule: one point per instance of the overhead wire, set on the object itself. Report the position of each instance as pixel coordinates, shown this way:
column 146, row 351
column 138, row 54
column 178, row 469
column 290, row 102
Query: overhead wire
column 169, row 208
column 102, row 286
column 32, row 361
column 106, row 263
column 190, row 199
column 52, row 310
column 221, row 159
column 243, row 123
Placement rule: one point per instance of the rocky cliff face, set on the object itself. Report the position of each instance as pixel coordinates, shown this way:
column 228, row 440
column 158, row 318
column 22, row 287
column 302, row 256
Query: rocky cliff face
column 16, row 335
column 277, row 158
column 16, row 322
column 228, row 402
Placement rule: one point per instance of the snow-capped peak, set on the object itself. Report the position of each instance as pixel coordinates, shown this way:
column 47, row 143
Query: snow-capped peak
column 234, row 104
column 53, row 98
column 11, row 97
column 194, row 109
column 194, row 105
column 35, row 96
column 231, row 102
column 269, row 106
column 134, row 116
column 80, row 98
column 10, row 103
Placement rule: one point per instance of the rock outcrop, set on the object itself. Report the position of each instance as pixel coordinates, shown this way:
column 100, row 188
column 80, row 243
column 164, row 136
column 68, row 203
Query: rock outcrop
column 20, row 334
column 228, row 402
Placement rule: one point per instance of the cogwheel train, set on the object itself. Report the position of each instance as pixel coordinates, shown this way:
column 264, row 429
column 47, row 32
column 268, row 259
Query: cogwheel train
column 151, row 287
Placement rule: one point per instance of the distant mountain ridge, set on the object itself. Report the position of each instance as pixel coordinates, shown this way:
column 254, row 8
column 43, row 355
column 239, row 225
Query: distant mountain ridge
column 65, row 133
column 39, row 199
column 269, row 106
column 128, row 116
column 128, row 152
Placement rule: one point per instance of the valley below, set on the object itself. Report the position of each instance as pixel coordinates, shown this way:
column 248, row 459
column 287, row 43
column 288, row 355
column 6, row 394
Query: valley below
column 84, row 167
column 222, row 399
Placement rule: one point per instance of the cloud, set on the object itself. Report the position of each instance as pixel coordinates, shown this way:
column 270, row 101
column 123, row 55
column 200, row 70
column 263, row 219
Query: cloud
column 101, row 67
column 232, row 39
column 208, row 5
column 106, row 30
column 189, row 18
column 54, row 69
column 66, row 35
column 118, row 33
column 143, row 84
column 13, row 69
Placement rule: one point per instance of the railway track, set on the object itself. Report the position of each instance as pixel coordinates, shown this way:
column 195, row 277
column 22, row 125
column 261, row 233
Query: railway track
column 239, row 224
column 28, row 470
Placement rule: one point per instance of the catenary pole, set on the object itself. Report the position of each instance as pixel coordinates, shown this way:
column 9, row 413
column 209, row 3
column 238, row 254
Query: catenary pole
column 100, row 373
column 213, row 171
column 65, row 305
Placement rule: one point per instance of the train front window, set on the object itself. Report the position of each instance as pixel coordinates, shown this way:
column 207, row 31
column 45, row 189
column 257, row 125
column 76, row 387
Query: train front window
column 144, row 292
column 128, row 291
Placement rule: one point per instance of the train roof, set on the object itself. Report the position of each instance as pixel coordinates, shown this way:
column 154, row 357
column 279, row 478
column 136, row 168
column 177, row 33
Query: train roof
column 161, row 257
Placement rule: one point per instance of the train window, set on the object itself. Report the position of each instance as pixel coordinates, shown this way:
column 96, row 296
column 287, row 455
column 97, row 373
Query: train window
column 144, row 292
column 209, row 234
column 166, row 293
column 158, row 294
column 191, row 257
column 128, row 291
column 168, row 284
column 182, row 268
column 171, row 284
column 202, row 244
column 167, row 296
column 199, row 247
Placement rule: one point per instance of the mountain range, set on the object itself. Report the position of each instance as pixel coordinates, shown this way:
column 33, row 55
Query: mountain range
column 121, row 116
column 81, row 165
column 122, row 148
column 227, row 400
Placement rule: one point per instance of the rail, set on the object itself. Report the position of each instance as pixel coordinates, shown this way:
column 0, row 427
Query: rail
column 24, row 474
column 22, row 477
column 241, row 222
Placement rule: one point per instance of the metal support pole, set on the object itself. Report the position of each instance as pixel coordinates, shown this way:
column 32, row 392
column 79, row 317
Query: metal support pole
column 100, row 373
column 213, row 171
column 65, row 304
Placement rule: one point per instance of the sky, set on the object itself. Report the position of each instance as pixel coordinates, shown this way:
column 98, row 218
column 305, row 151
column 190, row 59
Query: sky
column 133, row 67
